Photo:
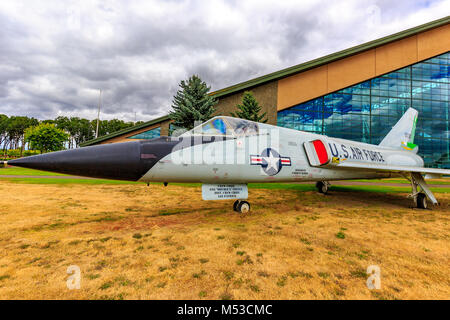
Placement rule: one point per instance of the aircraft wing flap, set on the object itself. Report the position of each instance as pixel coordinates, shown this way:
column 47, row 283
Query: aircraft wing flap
column 390, row 168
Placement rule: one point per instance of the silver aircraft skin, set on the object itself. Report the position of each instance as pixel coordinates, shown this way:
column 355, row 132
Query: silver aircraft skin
column 224, row 153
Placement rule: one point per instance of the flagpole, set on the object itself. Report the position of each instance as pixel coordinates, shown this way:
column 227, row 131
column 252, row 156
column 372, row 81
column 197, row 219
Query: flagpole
column 98, row 114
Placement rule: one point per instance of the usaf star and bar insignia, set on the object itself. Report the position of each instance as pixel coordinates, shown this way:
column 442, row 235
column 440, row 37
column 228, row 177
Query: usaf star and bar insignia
column 270, row 161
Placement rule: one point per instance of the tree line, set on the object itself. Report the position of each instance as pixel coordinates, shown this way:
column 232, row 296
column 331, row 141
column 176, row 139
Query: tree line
column 13, row 130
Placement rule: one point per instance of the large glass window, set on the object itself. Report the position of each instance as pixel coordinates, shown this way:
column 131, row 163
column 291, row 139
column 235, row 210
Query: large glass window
column 367, row 111
column 173, row 128
column 149, row 134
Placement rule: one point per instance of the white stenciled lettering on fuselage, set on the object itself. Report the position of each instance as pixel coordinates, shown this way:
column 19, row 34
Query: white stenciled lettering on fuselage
column 352, row 152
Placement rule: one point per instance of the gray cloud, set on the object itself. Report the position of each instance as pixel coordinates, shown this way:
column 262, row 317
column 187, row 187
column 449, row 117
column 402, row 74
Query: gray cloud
column 55, row 56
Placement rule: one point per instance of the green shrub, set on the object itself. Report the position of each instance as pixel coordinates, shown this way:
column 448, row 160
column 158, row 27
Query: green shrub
column 27, row 153
column 15, row 153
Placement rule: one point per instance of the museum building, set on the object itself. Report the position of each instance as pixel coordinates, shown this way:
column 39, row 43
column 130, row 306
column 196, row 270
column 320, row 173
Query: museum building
column 357, row 94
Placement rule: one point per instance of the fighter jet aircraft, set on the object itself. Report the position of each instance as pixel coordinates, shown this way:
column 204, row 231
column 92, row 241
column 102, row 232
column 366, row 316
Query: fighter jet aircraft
column 225, row 153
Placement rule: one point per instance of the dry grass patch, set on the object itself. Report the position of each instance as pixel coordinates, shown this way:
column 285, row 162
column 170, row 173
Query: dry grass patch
column 135, row 242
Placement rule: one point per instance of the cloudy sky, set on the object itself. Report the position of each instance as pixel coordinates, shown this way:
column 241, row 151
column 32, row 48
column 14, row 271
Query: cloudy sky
column 56, row 55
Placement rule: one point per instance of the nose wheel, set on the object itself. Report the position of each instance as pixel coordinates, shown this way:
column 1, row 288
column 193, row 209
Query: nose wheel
column 322, row 186
column 241, row 206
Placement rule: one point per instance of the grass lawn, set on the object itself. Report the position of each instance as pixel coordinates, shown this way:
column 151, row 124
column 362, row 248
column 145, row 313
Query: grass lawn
column 45, row 180
column 311, row 187
column 444, row 181
column 277, row 186
column 65, row 181
column 26, row 172
column 270, row 186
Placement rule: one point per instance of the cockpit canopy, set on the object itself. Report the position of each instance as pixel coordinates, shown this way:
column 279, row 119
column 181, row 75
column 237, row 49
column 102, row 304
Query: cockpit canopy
column 225, row 126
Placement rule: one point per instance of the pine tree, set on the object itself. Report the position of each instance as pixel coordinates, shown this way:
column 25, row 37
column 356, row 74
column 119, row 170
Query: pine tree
column 249, row 109
column 192, row 103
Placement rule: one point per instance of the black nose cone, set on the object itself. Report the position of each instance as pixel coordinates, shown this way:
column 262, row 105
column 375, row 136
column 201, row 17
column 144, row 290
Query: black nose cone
column 119, row 161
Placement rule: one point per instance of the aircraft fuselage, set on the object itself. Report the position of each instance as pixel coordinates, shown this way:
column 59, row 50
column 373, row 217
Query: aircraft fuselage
column 244, row 159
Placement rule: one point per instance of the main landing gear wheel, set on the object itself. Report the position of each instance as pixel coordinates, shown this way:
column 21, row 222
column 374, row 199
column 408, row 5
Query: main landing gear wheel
column 241, row 206
column 420, row 198
column 322, row 187
column 422, row 201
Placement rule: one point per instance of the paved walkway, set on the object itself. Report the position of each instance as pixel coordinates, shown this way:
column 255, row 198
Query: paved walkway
column 336, row 183
column 380, row 184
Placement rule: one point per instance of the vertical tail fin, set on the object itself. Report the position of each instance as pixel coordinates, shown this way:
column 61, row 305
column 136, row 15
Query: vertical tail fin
column 402, row 134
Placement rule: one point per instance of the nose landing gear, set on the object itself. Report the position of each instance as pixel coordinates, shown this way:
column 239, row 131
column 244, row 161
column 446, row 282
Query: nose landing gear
column 241, row 206
column 322, row 186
